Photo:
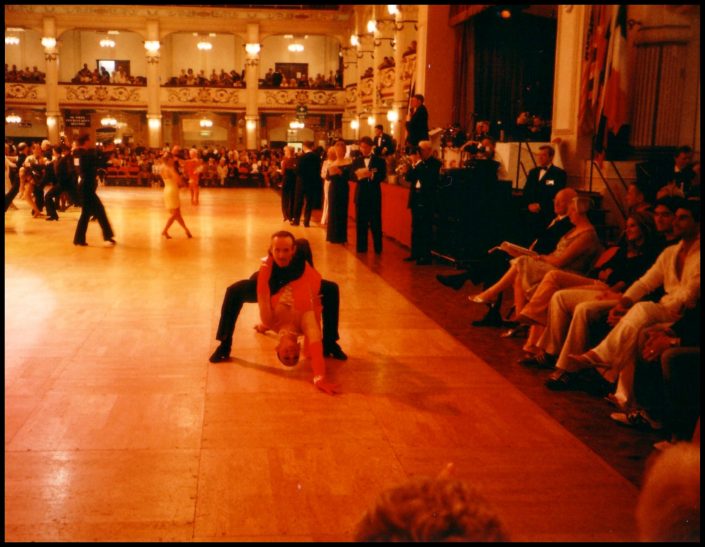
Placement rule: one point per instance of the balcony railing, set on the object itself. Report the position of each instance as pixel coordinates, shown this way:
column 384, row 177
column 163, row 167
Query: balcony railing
column 173, row 98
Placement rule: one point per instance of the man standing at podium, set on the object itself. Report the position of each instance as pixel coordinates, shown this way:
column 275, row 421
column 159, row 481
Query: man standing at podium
column 542, row 184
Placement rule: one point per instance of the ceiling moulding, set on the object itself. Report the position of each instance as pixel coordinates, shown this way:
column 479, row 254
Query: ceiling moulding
column 185, row 12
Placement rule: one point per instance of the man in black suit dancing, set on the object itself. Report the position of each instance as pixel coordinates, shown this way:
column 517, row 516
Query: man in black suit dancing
column 424, row 177
column 416, row 121
column 308, row 184
column 284, row 270
column 89, row 161
column 369, row 171
column 542, row 184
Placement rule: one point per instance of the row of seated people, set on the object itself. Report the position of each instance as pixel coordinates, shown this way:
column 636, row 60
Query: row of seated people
column 103, row 77
column 25, row 76
column 276, row 79
column 187, row 77
column 605, row 319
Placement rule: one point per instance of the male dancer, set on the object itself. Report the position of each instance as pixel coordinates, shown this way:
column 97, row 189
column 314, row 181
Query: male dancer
column 285, row 269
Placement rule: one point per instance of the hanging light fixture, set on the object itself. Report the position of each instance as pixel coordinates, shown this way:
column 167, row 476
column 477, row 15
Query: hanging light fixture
column 107, row 42
column 11, row 40
column 49, row 42
column 252, row 48
column 296, row 125
column 152, row 46
column 108, row 121
column 206, row 122
column 296, row 48
column 204, row 45
column 13, row 118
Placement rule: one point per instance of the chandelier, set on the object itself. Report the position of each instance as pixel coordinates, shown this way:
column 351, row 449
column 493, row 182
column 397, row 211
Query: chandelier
column 11, row 40
column 13, row 118
column 204, row 45
column 296, row 48
column 108, row 121
column 107, row 42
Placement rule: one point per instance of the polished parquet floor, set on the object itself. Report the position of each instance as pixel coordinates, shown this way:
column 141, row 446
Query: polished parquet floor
column 117, row 428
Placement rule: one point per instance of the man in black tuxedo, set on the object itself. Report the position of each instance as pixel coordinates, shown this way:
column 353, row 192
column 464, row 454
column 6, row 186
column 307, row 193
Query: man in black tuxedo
column 423, row 177
column 384, row 144
column 277, row 78
column 488, row 271
column 284, row 270
column 308, row 184
column 542, row 184
column 369, row 171
column 417, row 121
column 89, row 161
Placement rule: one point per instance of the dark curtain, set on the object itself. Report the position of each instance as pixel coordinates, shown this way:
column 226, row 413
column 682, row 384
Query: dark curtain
column 514, row 66
column 464, row 89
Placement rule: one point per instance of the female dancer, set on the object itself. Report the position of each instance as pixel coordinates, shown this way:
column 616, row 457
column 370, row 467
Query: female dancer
column 193, row 167
column 330, row 158
column 339, row 173
column 172, row 203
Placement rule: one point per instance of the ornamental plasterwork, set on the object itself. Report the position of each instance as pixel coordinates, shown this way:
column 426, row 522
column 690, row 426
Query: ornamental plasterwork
column 102, row 93
column 408, row 67
column 296, row 97
column 386, row 78
column 351, row 95
column 203, row 95
column 366, row 85
column 21, row 92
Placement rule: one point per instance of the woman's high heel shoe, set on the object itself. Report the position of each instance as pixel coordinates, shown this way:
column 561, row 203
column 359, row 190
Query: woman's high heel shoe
column 478, row 299
column 165, row 235
column 188, row 234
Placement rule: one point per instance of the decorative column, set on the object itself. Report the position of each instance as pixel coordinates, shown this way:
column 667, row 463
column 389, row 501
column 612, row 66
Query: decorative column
column 404, row 34
column 383, row 47
column 350, row 79
column 51, row 56
column 365, row 56
column 252, row 47
column 154, row 113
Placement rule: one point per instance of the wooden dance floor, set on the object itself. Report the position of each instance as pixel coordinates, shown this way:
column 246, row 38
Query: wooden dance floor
column 117, row 427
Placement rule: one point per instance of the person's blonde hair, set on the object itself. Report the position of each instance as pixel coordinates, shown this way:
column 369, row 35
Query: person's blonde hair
column 669, row 503
column 423, row 509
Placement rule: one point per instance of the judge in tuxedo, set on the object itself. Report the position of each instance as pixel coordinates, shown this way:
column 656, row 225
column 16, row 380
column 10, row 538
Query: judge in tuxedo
column 308, row 184
column 416, row 121
column 423, row 177
column 383, row 143
column 369, row 171
column 542, row 184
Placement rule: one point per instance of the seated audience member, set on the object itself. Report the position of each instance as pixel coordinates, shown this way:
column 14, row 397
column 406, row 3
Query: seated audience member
column 542, row 184
column 668, row 509
column 488, row 271
column 617, row 269
column 538, row 130
column 664, row 212
column 575, row 252
column 679, row 174
column 667, row 378
column 638, row 196
column 677, row 270
column 431, row 510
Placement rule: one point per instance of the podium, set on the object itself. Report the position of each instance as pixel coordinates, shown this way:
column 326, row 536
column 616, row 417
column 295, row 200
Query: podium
column 473, row 211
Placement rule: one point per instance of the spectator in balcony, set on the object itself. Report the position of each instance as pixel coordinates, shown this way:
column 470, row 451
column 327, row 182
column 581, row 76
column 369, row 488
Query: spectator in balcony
column 190, row 77
column 268, row 82
column 37, row 76
column 182, row 78
column 277, row 78
column 104, row 76
column 119, row 76
column 84, row 75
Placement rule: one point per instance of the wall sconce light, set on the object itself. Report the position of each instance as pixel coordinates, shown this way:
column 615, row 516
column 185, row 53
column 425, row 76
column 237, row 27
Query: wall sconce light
column 251, row 125
column 48, row 42
column 252, row 49
column 371, row 121
column 354, row 124
column 13, row 118
column 392, row 9
column 12, row 40
column 206, row 123
column 371, row 26
column 154, row 123
column 152, row 46
column 51, row 121
column 392, row 116
column 354, row 40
